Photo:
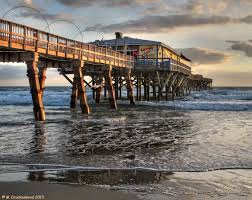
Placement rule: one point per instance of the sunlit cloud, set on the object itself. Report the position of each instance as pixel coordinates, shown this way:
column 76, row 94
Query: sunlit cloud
column 204, row 56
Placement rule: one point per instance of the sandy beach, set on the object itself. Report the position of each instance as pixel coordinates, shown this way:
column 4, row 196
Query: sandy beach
column 19, row 190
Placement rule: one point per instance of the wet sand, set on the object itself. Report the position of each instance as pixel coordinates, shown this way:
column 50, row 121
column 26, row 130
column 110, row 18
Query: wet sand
column 20, row 190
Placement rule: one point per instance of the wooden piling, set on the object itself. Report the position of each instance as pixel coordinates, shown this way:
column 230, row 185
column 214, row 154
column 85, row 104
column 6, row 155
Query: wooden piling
column 154, row 91
column 77, row 70
column 129, row 88
column 99, row 90
column 32, row 73
column 74, row 95
column 120, row 87
column 110, row 88
column 148, row 87
column 116, row 87
column 42, row 78
column 145, row 88
column 140, row 87
column 137, row 88
column 93, row 89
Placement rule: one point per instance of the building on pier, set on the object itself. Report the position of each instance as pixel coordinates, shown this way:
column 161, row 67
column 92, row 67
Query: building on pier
column 148, row 53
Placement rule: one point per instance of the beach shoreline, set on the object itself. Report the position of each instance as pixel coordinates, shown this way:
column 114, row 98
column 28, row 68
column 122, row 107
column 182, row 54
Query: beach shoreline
column 49, row 191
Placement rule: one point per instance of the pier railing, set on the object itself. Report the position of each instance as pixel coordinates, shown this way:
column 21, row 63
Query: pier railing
column 21, row 37
column 168, row 64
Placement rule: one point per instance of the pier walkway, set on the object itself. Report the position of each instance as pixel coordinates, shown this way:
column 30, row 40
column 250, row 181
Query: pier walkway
column 108, row 69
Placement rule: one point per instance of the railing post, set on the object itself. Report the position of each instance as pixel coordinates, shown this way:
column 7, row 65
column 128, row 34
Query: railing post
column 10, row 34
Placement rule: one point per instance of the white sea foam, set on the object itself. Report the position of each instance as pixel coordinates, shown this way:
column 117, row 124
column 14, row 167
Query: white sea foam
column 218, row 99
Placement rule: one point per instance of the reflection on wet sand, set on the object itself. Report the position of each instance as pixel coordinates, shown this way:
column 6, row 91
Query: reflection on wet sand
column 148, row 184
column 112, row 177
column 39, row 139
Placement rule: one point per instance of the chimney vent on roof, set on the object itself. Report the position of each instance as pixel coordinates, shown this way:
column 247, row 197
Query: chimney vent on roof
column 119, row 35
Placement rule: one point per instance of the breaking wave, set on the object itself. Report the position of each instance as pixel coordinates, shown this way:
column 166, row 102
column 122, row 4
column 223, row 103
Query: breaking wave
column 218, row 99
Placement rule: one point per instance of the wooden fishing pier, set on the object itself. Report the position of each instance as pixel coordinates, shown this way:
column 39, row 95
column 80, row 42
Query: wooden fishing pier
column 109, row 69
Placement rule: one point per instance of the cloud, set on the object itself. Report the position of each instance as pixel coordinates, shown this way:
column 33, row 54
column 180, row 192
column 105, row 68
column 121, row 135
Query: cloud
column 157, row 24
column 247, row 19
column 200, row 56
column 230, row 78
column 233, row 41
column 12, row 71
column 215, row 6
column 245, row 47
column 107, row 3
column 159, row 8
column 28, row 2
column 203, row 7
column 48, row 16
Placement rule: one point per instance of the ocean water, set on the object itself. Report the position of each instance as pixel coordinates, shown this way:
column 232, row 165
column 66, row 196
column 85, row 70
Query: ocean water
column 202, row 139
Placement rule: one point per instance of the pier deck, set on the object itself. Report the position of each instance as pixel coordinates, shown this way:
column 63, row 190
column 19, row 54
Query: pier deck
column 108, row 69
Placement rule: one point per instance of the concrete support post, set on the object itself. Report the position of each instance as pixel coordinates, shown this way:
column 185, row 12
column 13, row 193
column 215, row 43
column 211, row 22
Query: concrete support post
column 77, row 69
column 110, row 88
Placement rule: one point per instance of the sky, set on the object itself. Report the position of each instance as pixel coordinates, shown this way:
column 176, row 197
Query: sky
column 215, row 34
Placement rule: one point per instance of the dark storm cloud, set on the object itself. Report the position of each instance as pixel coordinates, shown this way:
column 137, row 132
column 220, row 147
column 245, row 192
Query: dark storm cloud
column 162, row 23
column 204, row 56
column 245, row 47
column 112, row 3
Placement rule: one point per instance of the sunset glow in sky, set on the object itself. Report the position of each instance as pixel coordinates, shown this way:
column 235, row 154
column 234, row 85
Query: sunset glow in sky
column 215, row 34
